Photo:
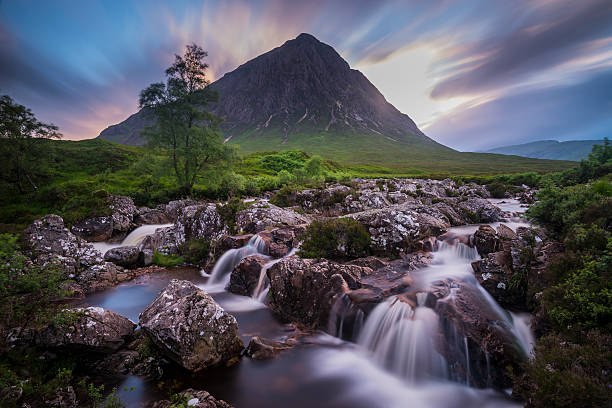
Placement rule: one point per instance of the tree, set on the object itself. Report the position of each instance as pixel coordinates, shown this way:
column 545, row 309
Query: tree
column 20, row 147
column 183, row 127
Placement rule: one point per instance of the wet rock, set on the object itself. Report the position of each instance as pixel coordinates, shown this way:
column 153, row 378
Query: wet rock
column 92, row 329
column 478, row 210
column 150, row 217
column 371, row 262
column 200, row 222
column 193, row 398
column 505, row 233
column 260, row 348
column 96, row 229
column 493, row 272
column 280, row 241
column 228, row 242
column 106, row 275
column 303, row 290
column 164, row 240
column 245, row 276
column 261, row 216
column 51, row 243
column 127, row 256
column 190, row 327
column 398, row 228
column 485, row 240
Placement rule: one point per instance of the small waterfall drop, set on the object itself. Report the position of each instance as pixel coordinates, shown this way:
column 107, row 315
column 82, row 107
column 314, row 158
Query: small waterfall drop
column 132, row 239
column 220, row 275
column 263, row 284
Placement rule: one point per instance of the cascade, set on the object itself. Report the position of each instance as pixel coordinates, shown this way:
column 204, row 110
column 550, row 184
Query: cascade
column 220, row 275
column 132, row 239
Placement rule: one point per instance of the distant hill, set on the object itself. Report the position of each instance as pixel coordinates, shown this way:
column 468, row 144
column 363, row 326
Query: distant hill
column 573, row 150
column 304, row 96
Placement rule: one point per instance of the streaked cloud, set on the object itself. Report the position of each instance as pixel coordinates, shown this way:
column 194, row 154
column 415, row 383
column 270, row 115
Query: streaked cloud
column 509, row 70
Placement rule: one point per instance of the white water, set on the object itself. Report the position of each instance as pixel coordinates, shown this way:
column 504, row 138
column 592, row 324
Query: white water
column 263, row 284
column 134, row 238
column 220, row 275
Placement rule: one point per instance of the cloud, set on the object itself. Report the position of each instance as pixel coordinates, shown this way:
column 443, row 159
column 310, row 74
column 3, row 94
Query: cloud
column 532, row 114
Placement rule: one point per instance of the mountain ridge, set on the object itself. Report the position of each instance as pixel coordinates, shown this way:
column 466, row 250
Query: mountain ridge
column 572, row 150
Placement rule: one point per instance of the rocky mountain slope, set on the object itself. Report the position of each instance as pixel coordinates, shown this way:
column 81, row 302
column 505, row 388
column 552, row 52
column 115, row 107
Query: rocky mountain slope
column 574, row 150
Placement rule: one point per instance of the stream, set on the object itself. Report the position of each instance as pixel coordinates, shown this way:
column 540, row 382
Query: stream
column 387, row 360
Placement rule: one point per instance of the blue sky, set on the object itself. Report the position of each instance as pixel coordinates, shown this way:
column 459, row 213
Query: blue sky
column 474, row 74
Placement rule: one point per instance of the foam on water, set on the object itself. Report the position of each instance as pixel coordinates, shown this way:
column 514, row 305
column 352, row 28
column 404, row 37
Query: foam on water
column 133, row 239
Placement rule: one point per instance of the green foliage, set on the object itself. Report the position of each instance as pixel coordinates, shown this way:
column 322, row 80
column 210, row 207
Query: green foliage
column 285, row 197
column 566, row 374
column 228, row 212
column 167, row 260
column 497, row 190
column 195, row 251
column 20, row 144
column 28, row 293
column 287, row 161
column 341, row 238
column 182, row 127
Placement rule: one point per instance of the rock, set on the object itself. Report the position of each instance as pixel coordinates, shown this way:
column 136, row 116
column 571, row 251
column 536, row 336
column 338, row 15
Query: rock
column 174, row 208
column 106, row 275
column 92, row 329
column 245, row 276
column 485, row 240
column 193, row 398
column 303, row 290
column 63, row 398
column 261, row 216
column 371, row 262
column 280, row 241
column 96, row 229
column 123, row 211
column 127, row 256
column 365, row 200
column 492, row 272
column 200, row 222
column 260, row 348
column 505, row 233
column 51, row 243
column 165, row 240
column 151, row 217
column 228, row 242
column 190, row 327
column 398, row 228
column 147, row 257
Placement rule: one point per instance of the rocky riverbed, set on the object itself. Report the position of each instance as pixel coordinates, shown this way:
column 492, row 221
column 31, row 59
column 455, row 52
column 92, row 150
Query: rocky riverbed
column 258, row 325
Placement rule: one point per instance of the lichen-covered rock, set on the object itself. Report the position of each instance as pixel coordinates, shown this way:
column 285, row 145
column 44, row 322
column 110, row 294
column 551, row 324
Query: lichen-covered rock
column 477, row 210
column 303, row 290
column 50, row 242
column 365, row 200
column 245, row 276
column 485, row 240
column 147, row 216
column 190, row 327
column 174, row 208
column 127, row 256
column 261, row 216
column 104, row 227
column 280, row 241
column 165, row 240
column 200, row 222
column 92, row 329
column 396, row 229
column 193, row 398
column 123, row 211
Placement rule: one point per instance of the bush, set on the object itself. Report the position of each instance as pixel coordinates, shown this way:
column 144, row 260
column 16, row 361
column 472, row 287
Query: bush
column 285, row 197
column 167, row 261
column 195, row 251
column 497, row 190
column 566, row 374
column 341, row 238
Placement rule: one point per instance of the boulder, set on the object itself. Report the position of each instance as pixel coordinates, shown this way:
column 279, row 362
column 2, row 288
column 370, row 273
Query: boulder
column 261, row 216
column 485, row 240
column 280, row 241
column 123, row 212
column 92, row 329
column 199, row 222
column 127, row 256
column 96, row 229
column 50, row 242
column 398, row 228
column 303, row 290
column 165, row 240
column 147, row 216
column 190, row 327
column 260, row 348
column 174, row 208
column 245, row 276
column 193, row 398
column 479, row 210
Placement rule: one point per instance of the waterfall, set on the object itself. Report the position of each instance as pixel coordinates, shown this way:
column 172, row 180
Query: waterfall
column 345, row 319
column 220, row 275
column 263, row 284
column 401, row 339
column 132, row 239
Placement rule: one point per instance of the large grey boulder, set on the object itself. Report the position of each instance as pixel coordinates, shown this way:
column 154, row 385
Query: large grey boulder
column 304, row 290
column 51, row 243
column 115, row 225
column 200, row 222
column 127, row 256
column 96, row 229
column 92, row 329
column 261, row 216
column 190, row 327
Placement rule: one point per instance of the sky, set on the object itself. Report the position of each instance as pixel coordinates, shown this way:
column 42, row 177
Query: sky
column 473, row 74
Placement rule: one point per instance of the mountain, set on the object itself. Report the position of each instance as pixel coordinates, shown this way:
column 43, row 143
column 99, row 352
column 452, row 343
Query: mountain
column 573, row 150
column 304, row 95
column 303, row 86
